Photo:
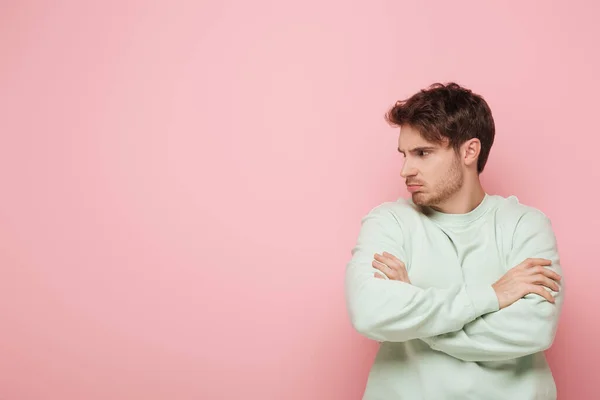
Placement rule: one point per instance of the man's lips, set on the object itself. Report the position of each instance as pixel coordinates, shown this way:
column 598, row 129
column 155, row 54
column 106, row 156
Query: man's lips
column 412, row 187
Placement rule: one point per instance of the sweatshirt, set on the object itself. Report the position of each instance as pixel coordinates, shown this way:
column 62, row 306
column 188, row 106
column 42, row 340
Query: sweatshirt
column 443, row 336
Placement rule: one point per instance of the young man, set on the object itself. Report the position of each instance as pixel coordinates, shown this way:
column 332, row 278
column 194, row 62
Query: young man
column 462, row 288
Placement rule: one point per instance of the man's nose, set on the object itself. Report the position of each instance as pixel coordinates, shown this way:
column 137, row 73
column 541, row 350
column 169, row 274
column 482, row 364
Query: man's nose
column 407, row 170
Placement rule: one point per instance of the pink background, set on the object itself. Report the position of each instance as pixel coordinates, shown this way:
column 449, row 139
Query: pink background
column 182, row 182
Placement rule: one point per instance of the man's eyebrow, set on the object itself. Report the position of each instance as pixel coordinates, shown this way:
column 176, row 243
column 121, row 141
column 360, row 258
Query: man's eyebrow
column 416, row 149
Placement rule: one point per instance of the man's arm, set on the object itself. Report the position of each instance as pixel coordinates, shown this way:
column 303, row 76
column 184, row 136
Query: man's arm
column 525, row 327
column 387, row 310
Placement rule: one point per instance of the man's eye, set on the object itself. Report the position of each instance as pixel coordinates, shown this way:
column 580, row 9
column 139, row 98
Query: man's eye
column 423, row 153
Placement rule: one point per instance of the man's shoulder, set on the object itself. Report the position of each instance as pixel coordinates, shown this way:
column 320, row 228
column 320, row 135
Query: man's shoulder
column 511, row 210
column 401, row 209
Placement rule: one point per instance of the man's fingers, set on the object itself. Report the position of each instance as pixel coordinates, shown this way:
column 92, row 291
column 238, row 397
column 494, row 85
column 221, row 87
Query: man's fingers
column 537, row 289
column 395, row 260
column 391, row 266
column 551, row 274
column 543, row 280
column 393, row 257
column 390, row 261
column 379, row 276
column 384, row 259
column 380, row 266
column 533, row 262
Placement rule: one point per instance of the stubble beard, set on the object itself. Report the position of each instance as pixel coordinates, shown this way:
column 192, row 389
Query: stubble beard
column 444, row 190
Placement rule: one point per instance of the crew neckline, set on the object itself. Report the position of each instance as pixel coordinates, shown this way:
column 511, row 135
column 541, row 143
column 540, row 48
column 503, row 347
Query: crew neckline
column 460, row 219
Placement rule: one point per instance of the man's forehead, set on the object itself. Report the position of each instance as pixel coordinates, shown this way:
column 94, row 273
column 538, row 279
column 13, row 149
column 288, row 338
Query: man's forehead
column 410, row 139
column 416, row 142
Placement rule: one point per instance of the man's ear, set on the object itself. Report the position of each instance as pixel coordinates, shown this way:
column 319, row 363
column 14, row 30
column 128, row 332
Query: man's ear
column 470, row 152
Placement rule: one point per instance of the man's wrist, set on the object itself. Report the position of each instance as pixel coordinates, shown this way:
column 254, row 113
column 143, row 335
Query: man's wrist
column 483, row 299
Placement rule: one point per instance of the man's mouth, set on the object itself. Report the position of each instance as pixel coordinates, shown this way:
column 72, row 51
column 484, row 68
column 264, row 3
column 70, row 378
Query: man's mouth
column 413, row 187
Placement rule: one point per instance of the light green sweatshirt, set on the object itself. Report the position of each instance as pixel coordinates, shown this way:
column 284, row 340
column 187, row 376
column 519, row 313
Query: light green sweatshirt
column 443, row 336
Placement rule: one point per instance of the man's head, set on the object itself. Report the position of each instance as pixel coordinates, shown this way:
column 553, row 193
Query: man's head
column 446, row 133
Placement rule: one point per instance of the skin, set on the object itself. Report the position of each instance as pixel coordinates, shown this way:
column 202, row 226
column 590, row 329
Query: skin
column 448, row 181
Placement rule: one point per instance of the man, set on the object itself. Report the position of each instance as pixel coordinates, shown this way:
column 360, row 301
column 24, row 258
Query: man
column 462, row 288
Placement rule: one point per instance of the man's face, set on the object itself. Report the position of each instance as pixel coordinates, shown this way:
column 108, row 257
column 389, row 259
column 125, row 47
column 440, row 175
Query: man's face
column 433, row 172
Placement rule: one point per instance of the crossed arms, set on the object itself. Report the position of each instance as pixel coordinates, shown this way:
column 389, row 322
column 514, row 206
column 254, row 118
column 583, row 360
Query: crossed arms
column 464, row 321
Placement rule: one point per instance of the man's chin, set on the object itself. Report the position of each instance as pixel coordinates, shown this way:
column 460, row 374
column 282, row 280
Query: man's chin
column 419, row 199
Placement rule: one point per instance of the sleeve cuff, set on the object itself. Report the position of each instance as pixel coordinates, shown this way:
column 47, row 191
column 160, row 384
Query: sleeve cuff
column 483, row 299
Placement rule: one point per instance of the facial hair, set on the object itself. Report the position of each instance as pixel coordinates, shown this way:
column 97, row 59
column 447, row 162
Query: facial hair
column 446, row 187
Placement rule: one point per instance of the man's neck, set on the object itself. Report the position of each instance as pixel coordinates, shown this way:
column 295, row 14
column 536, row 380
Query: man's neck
column 466, row 200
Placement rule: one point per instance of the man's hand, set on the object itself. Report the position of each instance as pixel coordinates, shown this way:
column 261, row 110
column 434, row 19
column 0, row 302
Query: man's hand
column 391, row 267
column 531, row 276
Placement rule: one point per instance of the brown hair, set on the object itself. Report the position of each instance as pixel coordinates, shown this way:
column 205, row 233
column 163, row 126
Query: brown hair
column 447, row 111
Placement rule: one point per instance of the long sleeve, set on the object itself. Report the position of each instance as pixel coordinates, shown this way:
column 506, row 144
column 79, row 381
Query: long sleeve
column 387, row 310
column 525, row 327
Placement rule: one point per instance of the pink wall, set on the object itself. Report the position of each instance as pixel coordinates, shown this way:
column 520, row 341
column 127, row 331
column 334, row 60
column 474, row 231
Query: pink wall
column 182, row 183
